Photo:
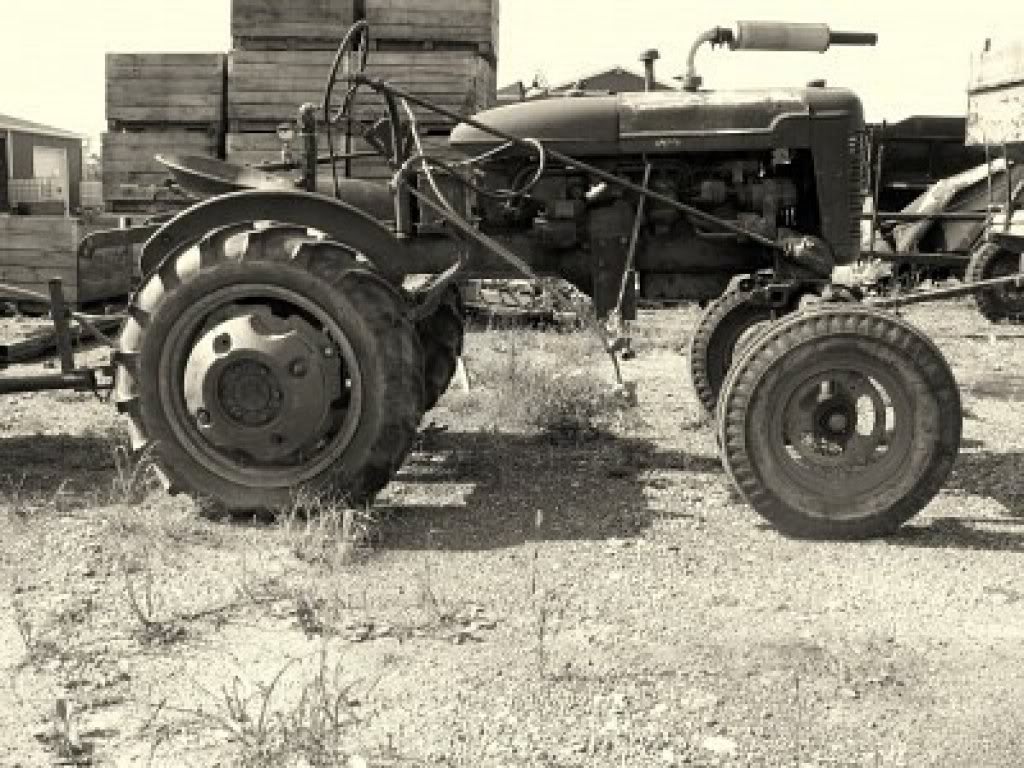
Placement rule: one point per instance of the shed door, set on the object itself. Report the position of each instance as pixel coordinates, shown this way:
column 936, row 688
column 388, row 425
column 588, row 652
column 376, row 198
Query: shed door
column 51, row 163
column 5, row 201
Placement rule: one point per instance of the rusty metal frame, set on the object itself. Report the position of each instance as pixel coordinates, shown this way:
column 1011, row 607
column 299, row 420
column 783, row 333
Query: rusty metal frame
column 71, row 377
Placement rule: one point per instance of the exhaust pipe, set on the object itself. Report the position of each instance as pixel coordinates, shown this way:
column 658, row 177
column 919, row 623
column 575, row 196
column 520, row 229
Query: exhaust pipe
column 771, row 36
column 648, row 58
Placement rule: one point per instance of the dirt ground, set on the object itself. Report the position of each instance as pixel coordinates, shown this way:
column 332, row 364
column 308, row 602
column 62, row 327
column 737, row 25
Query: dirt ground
column 589, row 598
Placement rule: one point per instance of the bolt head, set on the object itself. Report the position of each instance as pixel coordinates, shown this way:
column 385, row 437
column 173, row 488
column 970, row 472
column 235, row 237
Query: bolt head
column 222, row 343
column 298, row 368
column 328, row 351
column 203, row 418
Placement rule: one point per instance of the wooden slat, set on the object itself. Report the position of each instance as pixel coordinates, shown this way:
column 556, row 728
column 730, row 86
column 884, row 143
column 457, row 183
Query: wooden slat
column 270, row 85
column 469, row 21
column 34, row 249
column 256, row 21
column 165, row 88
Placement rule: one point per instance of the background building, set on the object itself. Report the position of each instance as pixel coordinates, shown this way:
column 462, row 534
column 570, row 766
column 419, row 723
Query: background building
column 40, row 167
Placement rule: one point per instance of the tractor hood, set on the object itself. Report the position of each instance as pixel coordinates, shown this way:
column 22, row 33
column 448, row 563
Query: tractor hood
column 665, row 121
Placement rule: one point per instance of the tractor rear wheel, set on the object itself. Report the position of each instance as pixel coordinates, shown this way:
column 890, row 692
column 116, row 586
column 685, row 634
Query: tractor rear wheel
column 996, row 304
column 442, row 335
column 730, row 321
column 262, row 360
column 841, row 422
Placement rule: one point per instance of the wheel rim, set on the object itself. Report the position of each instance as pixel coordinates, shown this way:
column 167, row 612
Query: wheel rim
column 261, row 386
column 843, row 432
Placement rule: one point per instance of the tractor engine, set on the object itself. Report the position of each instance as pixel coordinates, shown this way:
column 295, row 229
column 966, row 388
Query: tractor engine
column 569, row 214
column 788, row 164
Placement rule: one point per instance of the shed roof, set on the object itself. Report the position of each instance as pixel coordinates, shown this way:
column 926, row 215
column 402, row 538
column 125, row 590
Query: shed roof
column 17, row 125
column 612, row 72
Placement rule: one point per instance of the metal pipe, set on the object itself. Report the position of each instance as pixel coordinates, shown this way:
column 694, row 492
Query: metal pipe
column 76, row 380
column 900, row 216
column 59, row 314
column 968, row 289
column 1009, row 188
column 716, row 36
column 878, row 187
column 648, row 58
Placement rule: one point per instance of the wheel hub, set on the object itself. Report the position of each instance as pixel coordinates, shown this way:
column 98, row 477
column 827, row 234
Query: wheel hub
column 263, row 386
column 250, row 393
column 837, row 420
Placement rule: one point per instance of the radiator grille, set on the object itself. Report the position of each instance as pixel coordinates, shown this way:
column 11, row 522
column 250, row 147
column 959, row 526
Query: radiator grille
column 859, row 181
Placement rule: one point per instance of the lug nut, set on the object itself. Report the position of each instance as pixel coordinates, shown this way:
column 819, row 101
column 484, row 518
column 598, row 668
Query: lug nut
column 298, row 368
column 203, row 418
column 328, row 351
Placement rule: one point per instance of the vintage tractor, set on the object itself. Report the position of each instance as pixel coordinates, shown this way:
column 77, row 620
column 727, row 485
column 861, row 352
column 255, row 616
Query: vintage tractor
column 275, row 342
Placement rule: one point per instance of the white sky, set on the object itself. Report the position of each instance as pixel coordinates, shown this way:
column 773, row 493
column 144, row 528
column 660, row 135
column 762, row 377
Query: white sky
column 51, row 51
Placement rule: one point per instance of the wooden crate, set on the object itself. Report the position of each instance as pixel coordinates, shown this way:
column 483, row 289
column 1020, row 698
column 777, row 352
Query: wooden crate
column 995, row 102
column 35, row 249
column 130, row 170
column 266, row 87
column 290, row 24
column 437, row 23
column 165, row 88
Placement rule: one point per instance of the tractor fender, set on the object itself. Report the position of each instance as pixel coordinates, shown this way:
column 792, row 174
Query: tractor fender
column 340, row 221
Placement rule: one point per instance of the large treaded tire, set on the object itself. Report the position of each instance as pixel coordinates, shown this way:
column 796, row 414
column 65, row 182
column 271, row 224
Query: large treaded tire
column 726, row 320
column 442, row 335
column 836, row 502
column 996, row 304
column 369, row 313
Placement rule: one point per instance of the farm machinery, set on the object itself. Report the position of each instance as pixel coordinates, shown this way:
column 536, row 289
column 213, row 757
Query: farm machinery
column 277, row 340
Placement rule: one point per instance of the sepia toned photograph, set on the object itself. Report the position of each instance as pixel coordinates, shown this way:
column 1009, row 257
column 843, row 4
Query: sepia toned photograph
column 511, row 384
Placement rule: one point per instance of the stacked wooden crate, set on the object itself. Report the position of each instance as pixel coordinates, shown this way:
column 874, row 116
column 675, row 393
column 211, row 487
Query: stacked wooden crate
column 438, row 24
column 37, row 249
column 442, row 50
column 158, row 103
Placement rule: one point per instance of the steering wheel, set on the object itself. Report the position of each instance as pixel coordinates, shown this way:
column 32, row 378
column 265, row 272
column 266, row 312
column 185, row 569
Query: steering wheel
column 349, row 62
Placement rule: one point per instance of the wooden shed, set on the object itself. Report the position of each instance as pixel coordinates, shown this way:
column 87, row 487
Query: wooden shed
column 40, row 167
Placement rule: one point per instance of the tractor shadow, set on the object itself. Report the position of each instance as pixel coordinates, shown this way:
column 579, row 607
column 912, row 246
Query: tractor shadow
column 984, row 474
column 78, row 469
column 479, row 491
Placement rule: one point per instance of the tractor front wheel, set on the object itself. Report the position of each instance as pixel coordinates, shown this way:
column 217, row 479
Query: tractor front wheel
column 841, row 422
column 728, row 323
column 260, row 361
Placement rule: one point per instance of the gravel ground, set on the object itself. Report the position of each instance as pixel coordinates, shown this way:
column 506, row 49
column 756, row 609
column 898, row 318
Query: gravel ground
column 591, row 599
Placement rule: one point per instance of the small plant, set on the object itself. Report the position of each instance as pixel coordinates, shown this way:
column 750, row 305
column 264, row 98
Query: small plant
column 571, row 405
column 143, row 601
column 134, row 475
column 295, row 719
column 326, row 531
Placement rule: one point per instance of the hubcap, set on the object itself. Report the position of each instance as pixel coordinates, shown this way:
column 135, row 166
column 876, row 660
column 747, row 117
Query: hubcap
column 258, row 384
column 262, row 385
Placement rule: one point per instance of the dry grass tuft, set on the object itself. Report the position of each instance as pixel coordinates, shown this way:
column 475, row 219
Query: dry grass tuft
column 326, row 531
column 545, row 382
